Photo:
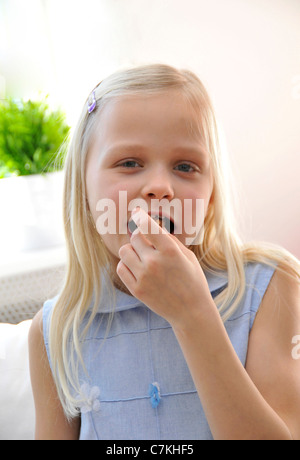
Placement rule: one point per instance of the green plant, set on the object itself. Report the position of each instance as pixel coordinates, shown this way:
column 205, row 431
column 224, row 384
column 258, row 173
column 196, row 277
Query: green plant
column 31, row 135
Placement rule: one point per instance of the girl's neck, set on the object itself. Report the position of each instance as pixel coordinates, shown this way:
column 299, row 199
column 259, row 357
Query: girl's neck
column 116, row 280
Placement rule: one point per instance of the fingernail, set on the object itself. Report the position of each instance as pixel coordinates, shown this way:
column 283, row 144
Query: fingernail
column 135, row 210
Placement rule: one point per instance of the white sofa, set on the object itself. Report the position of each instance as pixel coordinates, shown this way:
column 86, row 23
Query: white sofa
column 24, row 286
column 17, row 418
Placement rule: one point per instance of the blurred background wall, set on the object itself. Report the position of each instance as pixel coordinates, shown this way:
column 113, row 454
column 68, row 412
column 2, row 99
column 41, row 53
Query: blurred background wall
column 247, row 53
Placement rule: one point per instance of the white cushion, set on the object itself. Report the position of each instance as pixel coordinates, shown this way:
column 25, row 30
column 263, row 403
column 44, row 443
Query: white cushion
column 17, row 416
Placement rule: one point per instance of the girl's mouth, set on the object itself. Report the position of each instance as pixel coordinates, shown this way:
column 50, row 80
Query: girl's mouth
column 162, row 221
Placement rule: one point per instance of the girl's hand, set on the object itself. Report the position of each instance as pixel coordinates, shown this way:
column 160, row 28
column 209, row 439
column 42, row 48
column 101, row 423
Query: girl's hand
column 161, row 272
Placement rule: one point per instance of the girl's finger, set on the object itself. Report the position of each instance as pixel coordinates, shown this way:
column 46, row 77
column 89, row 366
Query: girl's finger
column 125, row 275
column 141, row 244
column 156, row 235
column 128, row 255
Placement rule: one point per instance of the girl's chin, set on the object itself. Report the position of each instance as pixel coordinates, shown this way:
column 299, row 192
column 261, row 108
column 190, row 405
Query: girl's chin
column 113, row 247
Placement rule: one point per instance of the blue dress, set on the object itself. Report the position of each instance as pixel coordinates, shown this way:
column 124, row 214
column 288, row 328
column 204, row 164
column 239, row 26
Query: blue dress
column 139, row 386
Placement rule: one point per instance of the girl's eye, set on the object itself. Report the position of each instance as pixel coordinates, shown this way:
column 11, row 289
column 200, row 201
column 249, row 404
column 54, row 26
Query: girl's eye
column 185, row 167
column 129, row 164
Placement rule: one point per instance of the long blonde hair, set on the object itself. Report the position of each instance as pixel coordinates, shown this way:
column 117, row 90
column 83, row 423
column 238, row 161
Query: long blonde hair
column 88, row 258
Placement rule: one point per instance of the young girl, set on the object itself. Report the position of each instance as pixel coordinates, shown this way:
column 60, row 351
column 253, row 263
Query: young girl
column 156, row 335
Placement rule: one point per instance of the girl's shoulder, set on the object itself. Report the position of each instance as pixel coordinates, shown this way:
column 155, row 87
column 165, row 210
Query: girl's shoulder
column 48, row 306
column 273, row 361
column 282, row 296
column 274, row 280
column 44, row 317
column 47, row 310
column 257, row 278
column 35, row 334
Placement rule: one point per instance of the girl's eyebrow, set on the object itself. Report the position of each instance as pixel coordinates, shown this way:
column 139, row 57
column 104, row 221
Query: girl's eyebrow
column 124, row 147
column 191, row 150
column 197, row 151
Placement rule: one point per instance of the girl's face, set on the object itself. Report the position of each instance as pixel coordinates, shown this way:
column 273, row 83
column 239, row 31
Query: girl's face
column 146, row 147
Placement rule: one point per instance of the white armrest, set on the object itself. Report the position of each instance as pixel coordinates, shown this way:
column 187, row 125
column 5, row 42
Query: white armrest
column 17, row 417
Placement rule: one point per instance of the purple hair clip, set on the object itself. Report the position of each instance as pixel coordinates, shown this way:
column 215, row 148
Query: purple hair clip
column 93, row 103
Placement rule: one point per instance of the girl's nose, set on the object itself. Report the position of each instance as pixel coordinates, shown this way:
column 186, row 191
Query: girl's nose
column 158, row 186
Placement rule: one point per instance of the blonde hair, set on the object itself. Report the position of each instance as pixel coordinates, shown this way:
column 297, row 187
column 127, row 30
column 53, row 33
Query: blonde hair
column 88, row 258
